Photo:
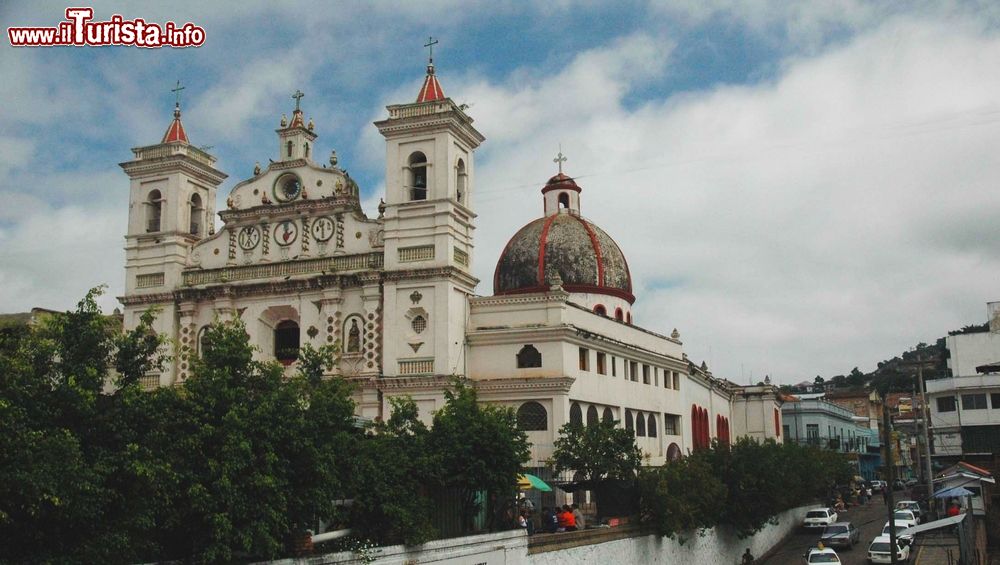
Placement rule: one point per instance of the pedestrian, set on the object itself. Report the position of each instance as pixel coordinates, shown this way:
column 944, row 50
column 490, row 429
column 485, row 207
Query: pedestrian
column 747, row 558
column 953, row 509
column 529, row 522
column 550, row 523
column 567, row 522
column 868, row 493
column 581, row 522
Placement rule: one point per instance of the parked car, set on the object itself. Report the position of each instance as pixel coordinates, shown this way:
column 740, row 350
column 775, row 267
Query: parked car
column 910, row 482
column 900, row 526
column 878, row 485
column 912, row 506
column 841, row 534
column 879, row 551
column 819, row 518
column 822, row 555
column 904, row 517
column 898, row 485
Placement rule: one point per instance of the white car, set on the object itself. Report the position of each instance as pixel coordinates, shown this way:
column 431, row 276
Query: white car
column 819, row 518
column 904, row 517
column 911, row 505
column 900, row 526
column 879, row 552
column 877, row 485
column 822, row 555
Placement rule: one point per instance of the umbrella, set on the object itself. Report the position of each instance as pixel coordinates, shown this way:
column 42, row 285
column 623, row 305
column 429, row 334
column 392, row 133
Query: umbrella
column 529, row 481
column 953, row 492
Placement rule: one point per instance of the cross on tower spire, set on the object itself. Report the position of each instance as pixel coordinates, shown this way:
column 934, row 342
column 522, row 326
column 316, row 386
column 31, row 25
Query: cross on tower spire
column 560, row 159
column 298, row 98
column 431, row 42
column 177, row 94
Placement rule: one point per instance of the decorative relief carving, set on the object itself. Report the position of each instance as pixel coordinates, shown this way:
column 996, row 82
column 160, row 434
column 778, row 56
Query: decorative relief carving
column 265, row 238
column 340, row 230
column 376, row 237
column 232, row 245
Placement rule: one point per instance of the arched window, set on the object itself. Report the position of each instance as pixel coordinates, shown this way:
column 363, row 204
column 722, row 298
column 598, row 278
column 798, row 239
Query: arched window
column 529, row 357
column 154, row 212
column 777, row 423
column 592, row 419
column 288, row 147
column 695, row 427
column 307, row 150
column 418, row 176
column 628, row 318
column 640, row 425
column 607, row 415
column 532, row 417
column 286, row 342
column 674, row 452
column 619, row 315
column 600, row 310
column 563, row 200
column 575, row 415
column 652, row 425
column 629, row 424
column 197, row 211
column 460, row 181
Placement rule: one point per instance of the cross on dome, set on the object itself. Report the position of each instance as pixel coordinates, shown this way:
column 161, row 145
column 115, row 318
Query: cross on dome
column 175, row 132
column 560, row 159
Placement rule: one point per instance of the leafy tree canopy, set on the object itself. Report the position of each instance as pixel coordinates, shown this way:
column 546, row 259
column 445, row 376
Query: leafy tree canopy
column 598, row 451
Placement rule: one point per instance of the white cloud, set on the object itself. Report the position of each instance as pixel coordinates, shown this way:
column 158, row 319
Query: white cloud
column 832, row 217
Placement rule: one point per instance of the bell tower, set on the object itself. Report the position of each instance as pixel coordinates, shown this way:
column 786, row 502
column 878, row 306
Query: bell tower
column 429, row 221
column 171, row 208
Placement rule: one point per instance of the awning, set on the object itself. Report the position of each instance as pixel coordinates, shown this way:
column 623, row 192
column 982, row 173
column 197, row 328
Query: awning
column 932, row 525
column 953, row 492
column 529, row 481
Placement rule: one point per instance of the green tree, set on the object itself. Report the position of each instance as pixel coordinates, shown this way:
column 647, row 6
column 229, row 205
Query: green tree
column 392, row 479
column 478, row 448
column 257, row 458
column 598, row 451
column 682, row 496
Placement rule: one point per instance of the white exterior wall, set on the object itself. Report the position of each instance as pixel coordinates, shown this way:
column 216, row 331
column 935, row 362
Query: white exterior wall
column 717, row 545
column 968, row 351
column 947, row 425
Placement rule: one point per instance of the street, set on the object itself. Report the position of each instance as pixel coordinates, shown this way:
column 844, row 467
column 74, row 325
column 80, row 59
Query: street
column 869, row 519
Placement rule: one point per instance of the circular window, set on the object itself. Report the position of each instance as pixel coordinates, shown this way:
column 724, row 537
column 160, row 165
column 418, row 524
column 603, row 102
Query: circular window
column 287, row 187
column 419, row 324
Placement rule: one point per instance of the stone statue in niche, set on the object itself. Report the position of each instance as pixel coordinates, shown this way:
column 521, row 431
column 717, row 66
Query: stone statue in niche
column 354, row 338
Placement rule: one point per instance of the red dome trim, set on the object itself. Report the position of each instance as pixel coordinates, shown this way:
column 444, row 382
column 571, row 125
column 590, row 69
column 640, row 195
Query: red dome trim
column 175, row 132
column 431, row 90
column 597, row 250
column 541, row 249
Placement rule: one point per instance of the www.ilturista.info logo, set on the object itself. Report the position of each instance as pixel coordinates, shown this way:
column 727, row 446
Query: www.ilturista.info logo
column 78, row 30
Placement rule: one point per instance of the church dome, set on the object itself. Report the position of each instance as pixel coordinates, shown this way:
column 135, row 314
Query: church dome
column 584, row 256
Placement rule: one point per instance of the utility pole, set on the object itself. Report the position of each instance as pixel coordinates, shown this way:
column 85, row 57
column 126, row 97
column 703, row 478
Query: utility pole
column 924, row 414
column 925, row 422
column 890, row 477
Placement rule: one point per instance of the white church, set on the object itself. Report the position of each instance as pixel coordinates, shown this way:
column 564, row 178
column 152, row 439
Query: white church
column 299, row 261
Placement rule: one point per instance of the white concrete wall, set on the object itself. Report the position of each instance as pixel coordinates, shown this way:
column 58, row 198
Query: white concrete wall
column 719, row 546
column 971, row 350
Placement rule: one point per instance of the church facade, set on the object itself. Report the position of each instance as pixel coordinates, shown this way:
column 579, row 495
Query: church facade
column 298, row 261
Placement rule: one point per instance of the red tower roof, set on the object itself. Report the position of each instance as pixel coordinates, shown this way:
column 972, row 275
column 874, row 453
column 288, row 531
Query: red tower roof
column 297, row 121
column 175, row 133
column 431, row 90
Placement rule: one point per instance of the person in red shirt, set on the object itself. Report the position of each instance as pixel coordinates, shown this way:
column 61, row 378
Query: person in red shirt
column 953, row 510
column 566, row 519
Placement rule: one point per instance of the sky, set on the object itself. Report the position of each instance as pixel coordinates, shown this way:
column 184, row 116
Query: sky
column 799, row 187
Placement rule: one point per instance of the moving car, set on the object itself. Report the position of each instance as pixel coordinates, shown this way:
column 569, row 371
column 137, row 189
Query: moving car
column 822, row 555
column 879, row 552
column 900, row 526
column 841, row 534
column 819, row 518
column 912, row 506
